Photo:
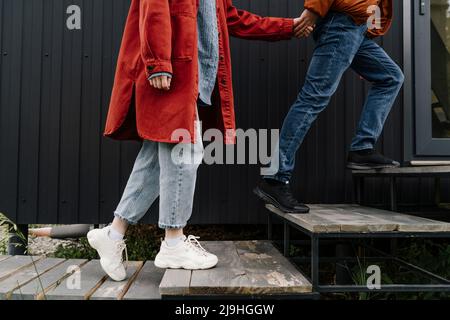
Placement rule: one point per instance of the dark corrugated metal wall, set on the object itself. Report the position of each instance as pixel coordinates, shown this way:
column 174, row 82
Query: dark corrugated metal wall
column 55, row 85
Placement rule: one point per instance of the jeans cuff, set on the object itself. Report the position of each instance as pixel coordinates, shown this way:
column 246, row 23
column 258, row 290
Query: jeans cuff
column 359, row 148
column 277, row 178
column 121, row 217
column 171, row 226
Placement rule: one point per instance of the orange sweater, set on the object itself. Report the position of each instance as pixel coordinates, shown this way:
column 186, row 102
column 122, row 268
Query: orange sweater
column 357, row 9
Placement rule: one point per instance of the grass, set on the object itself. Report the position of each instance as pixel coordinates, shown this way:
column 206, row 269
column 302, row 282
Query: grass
column 6, row 225
column 77, row 250
column 3, row 234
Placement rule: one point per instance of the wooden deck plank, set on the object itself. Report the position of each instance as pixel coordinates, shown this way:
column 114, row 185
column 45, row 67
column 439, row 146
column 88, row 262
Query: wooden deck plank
column 25, row 275
column 406, row 171
column 113, row 290
column 313, row 223
column 146, row 284
column 229, row 276
column 47, row 281
column 244, row 268
column 91, row 277
column 354, row 218
column 269, row 272
column 342, row 221
column 404, row 222
column 175, row 282
column 351, row 221
column 15, row 264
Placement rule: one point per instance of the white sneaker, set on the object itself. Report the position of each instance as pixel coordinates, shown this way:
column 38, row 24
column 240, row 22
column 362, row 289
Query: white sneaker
column 110, row 252
column 188, row 254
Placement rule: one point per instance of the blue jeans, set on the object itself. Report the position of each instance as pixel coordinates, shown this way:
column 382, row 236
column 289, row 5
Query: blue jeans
column 340, row 44
column 167, row 171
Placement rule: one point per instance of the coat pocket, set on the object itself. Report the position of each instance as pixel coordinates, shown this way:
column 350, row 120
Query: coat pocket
column 184, row 30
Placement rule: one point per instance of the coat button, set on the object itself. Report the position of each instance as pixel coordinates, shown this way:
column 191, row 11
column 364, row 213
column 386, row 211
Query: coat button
column 150, row 68
column 221, row 58
column 223, row 81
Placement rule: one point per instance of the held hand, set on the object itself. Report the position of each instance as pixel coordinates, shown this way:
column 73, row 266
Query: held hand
column 304, row 25
column 161, row 82
column 306, row 33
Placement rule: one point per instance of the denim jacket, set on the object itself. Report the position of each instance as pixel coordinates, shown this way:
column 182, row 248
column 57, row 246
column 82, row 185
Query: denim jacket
column 208, row 51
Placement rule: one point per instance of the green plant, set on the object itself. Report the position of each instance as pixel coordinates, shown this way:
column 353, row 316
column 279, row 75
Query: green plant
column 143, row 242
column 433, row 256
column 296, row 251
column 75, row 250
column 3, row 234
column 3, row 241
column 7, row 226
column 359, row 275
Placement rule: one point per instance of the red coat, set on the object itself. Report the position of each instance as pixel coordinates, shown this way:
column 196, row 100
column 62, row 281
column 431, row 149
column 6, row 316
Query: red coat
column 161, row 36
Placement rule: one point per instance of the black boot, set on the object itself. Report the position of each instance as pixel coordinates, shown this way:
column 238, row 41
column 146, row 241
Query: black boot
column 280, row 195
column 369, row 159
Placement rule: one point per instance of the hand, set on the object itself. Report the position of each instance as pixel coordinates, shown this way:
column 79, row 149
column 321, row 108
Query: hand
column 307, row 32
column 161, row 82
column 304, row 25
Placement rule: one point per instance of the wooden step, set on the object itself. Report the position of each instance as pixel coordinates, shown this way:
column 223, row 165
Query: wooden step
column 45, row 282
column 12, row 265
column 354, row 218
column 94, row 284
column 26, row 275
column 418, row 171
column 30, row 278
column 146, row 284
column 245, row 268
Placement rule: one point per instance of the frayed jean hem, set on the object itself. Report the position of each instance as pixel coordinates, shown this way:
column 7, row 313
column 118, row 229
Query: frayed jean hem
column 171, row 226
column 360, row 148
column 130, row 222
column 277, row 178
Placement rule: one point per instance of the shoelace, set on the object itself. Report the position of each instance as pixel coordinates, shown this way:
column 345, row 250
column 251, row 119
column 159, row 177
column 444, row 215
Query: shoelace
column 121, row 246
column 193, row 242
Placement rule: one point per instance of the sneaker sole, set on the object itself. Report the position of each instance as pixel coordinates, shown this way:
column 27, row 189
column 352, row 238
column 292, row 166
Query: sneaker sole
column 162, row 265
column 268, row 199
column 367, row 166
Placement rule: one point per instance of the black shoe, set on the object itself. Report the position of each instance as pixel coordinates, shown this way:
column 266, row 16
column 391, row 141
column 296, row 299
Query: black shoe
column 369, row 159
column 280, row 195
